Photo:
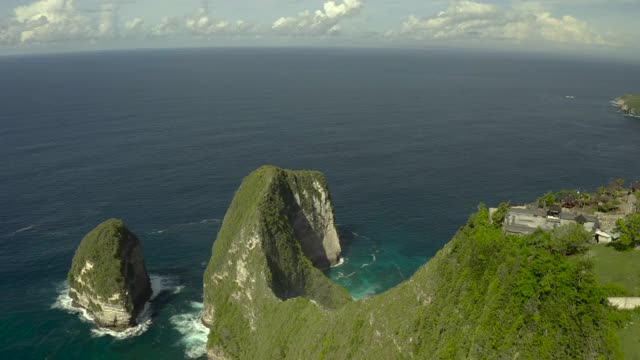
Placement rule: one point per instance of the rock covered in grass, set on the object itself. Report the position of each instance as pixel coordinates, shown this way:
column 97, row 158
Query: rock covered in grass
column 108, row 277
column 485, row 295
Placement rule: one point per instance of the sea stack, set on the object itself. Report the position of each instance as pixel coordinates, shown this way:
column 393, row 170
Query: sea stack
column 276, row 236
column 108, row 277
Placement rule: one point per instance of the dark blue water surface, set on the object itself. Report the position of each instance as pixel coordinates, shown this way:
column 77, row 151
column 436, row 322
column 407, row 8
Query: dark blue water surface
column 411, row 142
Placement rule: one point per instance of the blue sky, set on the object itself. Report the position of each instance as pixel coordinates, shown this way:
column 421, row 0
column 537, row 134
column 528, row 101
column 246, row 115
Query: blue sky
column 606, row 27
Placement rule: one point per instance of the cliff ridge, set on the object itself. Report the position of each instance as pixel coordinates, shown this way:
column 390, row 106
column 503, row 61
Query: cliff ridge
column 486, row 294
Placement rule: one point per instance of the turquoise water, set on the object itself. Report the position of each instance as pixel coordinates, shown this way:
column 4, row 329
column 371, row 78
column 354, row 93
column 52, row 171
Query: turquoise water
column 410, row 141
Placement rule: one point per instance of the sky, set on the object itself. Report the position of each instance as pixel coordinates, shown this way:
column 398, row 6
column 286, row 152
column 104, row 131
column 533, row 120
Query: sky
column 596, row 27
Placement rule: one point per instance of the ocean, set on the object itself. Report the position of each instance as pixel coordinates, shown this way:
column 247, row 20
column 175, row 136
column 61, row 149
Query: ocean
column 411, row 142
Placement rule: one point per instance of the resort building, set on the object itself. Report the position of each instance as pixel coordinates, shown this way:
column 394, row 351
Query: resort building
column 524, row 221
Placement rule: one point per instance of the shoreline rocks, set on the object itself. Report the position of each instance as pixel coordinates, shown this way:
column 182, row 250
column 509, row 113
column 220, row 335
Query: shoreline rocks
column 628, row 105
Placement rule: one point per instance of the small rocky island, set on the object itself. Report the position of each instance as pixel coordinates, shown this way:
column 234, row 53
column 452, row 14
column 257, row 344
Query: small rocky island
column 629, row 104
column 108, row 277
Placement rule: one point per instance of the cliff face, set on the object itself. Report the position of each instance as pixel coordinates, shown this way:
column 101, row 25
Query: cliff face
column 313, row 220
column 108, row 277
column 485, row 295
column 280, row 223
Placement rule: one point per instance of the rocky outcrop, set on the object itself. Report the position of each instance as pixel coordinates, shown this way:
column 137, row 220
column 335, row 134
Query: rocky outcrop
column 313, row 222
column 484, row 295
column 278, row 230
column 108, row 277
column 629, row 104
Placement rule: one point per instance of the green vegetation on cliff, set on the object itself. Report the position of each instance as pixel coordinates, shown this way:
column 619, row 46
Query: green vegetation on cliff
column 605, row 199
column 101, row 247
column 257, row 263
column 484, row 295
column 630, row 104
column 102, row 268
column 629, row 231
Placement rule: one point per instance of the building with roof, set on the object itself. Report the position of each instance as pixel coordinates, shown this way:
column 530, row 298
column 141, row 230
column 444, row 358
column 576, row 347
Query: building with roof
column 522, row 221
column 604, row 237
column 569, row 202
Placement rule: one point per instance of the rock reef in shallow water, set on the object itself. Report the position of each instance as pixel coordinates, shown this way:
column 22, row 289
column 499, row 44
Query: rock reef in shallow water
column 108, row 276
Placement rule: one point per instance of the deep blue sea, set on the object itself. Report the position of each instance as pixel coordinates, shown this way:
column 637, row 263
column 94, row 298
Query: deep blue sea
column 411, row 142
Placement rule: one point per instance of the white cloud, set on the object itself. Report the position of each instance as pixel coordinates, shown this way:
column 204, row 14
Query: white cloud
column 44, row 21
column 108, row 24
column 566, row 29
column 470, row 19
column 201, row 24
column 134, row 25
column 47, row 21
column 320, row 22
column 168, row 26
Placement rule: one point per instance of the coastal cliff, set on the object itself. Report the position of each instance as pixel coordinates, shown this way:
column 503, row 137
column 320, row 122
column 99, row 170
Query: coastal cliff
column 108, row 277
column 629, row 104
column 484, row 295
column 278, row 230
column 314, row 222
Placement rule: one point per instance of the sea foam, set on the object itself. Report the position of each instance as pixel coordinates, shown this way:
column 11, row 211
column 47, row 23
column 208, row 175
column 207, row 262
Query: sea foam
column 159, row 284
column 22, row 230
column 210, row 221
column 194, row 333
column 341, row 261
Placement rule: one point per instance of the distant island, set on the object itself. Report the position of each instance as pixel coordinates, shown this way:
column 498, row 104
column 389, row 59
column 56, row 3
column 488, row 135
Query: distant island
column 629, row 104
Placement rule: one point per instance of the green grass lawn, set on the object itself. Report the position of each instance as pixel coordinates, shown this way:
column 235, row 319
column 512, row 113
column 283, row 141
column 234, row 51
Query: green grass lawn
column 615, row 267
column 623, row 269
column 630, row 338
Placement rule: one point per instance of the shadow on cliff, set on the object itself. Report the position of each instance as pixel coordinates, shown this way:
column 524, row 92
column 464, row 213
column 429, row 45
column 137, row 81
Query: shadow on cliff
column 287, row 242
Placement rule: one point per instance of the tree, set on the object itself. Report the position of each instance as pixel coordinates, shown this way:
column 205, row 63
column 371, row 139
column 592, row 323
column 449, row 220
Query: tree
column 481, row 218
column 569, row 240
column 498, row 217
column 629, row 231
column 547, row 200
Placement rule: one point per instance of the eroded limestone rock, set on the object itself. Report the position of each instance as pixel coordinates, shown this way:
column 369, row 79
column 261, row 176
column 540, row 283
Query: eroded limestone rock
column 108, row 277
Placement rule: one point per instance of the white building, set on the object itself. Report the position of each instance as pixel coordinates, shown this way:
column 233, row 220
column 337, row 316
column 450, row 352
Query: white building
column 522, row 221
